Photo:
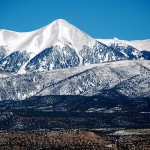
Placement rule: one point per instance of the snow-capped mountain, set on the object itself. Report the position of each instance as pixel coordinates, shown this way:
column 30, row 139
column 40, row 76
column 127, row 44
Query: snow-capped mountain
column 55, row 46
column 128, row 78
column 58, row 32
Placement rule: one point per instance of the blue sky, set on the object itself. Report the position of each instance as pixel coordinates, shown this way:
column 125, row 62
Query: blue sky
column 124, row 19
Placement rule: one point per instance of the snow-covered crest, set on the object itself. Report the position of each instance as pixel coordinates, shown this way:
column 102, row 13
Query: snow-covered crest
column 141, row 45
column 59, row 32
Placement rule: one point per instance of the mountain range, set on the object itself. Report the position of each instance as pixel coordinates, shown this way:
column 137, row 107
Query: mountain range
column 62, row 45
column 60, row 59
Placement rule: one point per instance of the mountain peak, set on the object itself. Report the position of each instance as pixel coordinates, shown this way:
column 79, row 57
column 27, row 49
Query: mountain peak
column 59, row 24
column 60, row 21
column 61, row 31
column 115, row 38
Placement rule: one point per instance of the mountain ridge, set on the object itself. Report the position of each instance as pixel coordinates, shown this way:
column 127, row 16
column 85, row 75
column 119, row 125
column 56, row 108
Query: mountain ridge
column 128, row 78
column 141, row 45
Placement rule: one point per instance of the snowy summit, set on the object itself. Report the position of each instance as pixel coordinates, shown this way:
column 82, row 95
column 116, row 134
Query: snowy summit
column 62, row 45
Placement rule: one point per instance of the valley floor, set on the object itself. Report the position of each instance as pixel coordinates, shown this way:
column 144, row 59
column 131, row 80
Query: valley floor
column 76, row 139
column 80, row 123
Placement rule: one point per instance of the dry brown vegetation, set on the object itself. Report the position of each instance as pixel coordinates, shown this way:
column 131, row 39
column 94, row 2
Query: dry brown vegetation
column 71, row 140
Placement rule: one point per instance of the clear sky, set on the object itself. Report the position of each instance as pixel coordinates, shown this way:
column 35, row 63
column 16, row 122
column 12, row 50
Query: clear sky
column 124, row 19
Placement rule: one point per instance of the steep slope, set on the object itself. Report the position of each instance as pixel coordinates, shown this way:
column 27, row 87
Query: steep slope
column 58, row 32
column 131, row 49
column 128, row 78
